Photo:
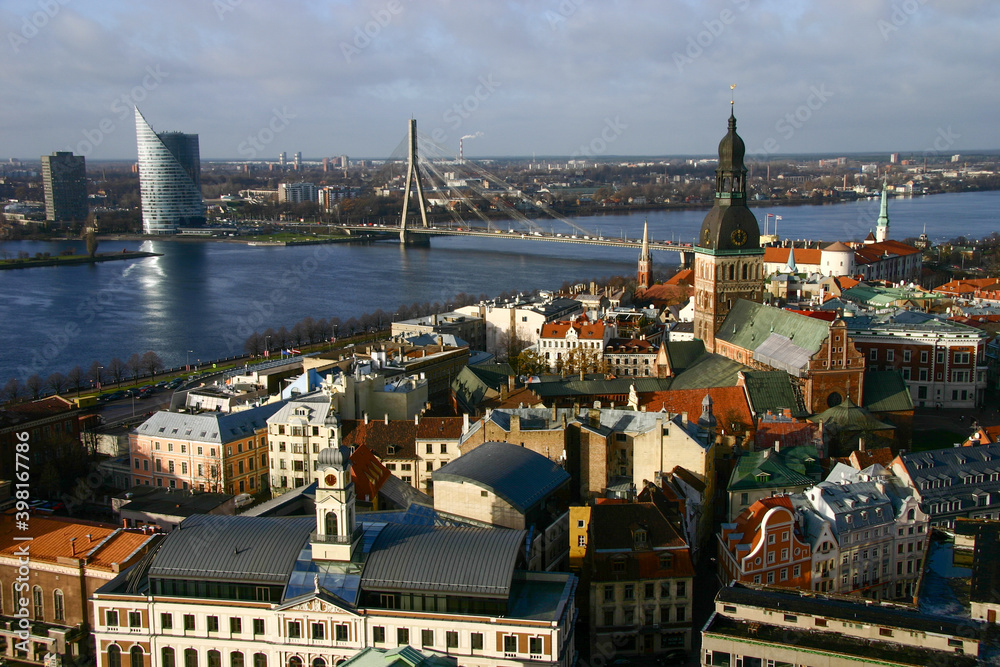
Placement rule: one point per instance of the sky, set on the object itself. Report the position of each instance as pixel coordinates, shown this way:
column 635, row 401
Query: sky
column 254, row 78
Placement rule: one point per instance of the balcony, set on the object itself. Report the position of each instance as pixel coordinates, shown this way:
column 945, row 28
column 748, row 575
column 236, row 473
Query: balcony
column 336, row 539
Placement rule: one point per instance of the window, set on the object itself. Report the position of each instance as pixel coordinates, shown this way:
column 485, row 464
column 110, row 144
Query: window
column 258, row 626
column 609, row 617
column 166, row 621
column 923, row 356
column 214, row 658
column 427, row 638
column 58, row 604
column 681, row 589
column 318, row 631
column 294, row 630
column 789, row 618
column 167, row 656
column 430, row 448
column 235, row 625
column 114, row 656
column 873, row 354
column 629, row 591
column 535, row 645
column 190, row 657
column 135, row 656
column 649, row 590
column 581, row 540
column 402, row 636
column 111, row 619
column 510, row 644
column 681, row 614
column 259, row 660
column 451, row 639
column 340, row 633
column 134, row 619
column 213, row 623
column 36, row 599
column 189, row 621
column 476, row 641
column 890, row 355
column 444, row 448
column 378, row 634
column 618, row 565
column 906, row 356
column 609, row 593
column 236, row 659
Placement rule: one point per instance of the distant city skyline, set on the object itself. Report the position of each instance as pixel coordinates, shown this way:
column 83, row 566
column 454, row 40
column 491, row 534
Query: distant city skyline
column 551, row 78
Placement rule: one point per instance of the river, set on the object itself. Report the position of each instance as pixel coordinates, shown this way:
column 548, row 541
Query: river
column 201, row 299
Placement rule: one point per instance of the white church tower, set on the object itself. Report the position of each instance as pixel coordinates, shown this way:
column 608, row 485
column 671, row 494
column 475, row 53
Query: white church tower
column 335, row 537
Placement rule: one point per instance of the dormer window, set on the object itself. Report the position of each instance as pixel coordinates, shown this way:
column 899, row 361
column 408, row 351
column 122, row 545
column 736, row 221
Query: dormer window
column 666, row 561
column 640, row 537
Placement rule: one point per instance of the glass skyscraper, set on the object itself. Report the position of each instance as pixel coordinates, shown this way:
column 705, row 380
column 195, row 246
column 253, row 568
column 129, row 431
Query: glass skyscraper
column 169, row 179
column 64, row 177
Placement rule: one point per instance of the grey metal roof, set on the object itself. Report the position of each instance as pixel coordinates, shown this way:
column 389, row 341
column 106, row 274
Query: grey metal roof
column 476, row 561
column 211, row 427
column 780, row 352
column 516, row 474
column 233, row 548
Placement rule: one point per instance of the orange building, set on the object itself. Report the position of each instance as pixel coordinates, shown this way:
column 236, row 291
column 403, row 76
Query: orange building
column 763, row 546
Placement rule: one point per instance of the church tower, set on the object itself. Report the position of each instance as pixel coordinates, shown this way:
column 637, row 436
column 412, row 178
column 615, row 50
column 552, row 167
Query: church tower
column 335, row 536
column 728, row 261
column 644, row 277
column 882, row 225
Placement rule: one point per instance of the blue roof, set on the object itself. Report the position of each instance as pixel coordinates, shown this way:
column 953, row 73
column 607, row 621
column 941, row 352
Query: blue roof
column 518, row 475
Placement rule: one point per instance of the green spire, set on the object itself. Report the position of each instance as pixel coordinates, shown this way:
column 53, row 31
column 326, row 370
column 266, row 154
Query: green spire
column 882, row 224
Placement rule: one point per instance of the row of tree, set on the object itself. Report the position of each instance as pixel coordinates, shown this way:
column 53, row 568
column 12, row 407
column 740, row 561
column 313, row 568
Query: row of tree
column 76, row 379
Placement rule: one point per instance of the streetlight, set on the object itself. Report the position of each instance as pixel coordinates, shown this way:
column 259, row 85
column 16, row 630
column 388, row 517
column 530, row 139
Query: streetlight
column 99, row 369
column 187, row 360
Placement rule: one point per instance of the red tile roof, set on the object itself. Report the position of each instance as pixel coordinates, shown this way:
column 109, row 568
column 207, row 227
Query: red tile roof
column 684, row 276
column 107, row 545
column 866, row 254
column 379, row 436
column 368, row 473
column 802, row 255
column 584, row 330
column 439, row 428
column 726, row 402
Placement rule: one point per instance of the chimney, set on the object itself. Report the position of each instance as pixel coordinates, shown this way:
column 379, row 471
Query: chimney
column 366, row 418
column 72, row 546
column 555, row 412
column 510, row 382
column 684, row 418
column 416, row 420
column 465, row 423
column 386, row 419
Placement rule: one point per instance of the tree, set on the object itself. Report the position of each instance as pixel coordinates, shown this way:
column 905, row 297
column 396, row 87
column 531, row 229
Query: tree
column 581, row 360
column 283, row 337
column 57, row 382
column 117, row 368
column 254, row 344
column 134, row 365
column 510, row 345
column 529, row 362
column 96, row 373
column 74, row 378
column 151, row 363
column 90, row 236
column 34, row 386
column 13, row 390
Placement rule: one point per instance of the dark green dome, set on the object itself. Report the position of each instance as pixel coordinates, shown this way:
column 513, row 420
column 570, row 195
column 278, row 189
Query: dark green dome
column 731, row 148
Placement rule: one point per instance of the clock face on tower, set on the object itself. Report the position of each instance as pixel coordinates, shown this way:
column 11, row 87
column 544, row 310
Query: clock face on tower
column 331, row 479
column 739, row 237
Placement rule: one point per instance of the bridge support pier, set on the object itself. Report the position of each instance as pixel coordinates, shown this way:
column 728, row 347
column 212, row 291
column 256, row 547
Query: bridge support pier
column 687, row 259
column 418, row 240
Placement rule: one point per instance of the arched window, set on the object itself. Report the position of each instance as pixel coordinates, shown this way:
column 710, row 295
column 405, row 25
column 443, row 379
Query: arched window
column 910, row 515
column 36, row 599
column 319, row 662
column 259, row 660
column 114, row 656
column 236, row 659
column 190, row 657
column 331, row 523
column 834, row 399
column 744, row 272
column 58, row 606
column 135, row 656
column 167, row 657
column 295, row 661
column 214, row 658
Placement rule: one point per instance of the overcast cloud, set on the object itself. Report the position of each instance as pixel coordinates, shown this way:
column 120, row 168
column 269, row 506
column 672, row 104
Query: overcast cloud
column 551, row 77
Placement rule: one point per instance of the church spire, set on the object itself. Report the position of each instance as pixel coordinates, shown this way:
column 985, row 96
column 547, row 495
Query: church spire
column 882, row 225
column 644, row 276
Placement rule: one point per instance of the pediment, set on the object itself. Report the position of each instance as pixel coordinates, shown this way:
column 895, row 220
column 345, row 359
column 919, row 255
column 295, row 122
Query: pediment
column 321, row 603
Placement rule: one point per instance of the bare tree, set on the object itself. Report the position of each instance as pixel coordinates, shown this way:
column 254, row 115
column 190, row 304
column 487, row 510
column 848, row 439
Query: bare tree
column 34, row 386
column 284, row 338
column 96, row 373
column 117, row 368
column 13, row 390
column 134, row 365
column 151, row 363
column 57, row 382
column 298, row 333
column 74, row 378
column 254, row 344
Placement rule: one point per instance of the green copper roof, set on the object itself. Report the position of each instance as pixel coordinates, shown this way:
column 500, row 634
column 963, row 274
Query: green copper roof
column 765, row 470
column 749, row 324
column 404, row 656
column 850, row 417
column 886, row 391
column 773, row 391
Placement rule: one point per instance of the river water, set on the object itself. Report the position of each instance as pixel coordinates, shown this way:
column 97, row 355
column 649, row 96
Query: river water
column 200, row 300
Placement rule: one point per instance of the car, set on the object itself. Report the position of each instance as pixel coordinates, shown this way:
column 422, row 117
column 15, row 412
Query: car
column 116, row 395
column 675, row 656
column 243, row 500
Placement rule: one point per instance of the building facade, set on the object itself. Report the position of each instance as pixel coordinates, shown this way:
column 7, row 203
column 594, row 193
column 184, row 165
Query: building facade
column 169, row 179
column 64, row 178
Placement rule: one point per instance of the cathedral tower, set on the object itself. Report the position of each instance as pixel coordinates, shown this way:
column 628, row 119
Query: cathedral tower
column 728, row 262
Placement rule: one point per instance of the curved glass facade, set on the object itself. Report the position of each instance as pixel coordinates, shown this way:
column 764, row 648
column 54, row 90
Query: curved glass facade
column 169, row 179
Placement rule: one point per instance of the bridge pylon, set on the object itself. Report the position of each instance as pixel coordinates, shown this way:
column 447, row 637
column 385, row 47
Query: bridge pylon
column 413, row 178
